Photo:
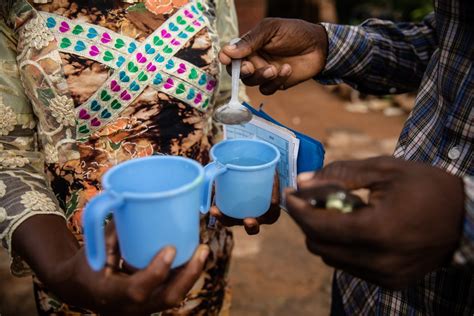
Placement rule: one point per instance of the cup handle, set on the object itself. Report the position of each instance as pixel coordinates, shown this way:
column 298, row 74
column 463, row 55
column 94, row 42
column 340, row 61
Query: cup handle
column 212, row 170
column 95, row 214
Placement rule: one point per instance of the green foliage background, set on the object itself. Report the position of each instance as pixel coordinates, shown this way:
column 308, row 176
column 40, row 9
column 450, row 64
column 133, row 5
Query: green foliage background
column 356, row 11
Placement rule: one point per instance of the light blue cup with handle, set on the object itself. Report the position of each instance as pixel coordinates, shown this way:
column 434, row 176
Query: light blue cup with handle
column 245, row 188
column 157, row 201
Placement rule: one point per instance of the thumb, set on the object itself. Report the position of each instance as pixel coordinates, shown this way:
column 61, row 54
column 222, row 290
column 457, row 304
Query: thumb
column 251, row 42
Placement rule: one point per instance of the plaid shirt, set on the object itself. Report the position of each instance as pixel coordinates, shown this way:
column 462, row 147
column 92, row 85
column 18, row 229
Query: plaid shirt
column 435, row 58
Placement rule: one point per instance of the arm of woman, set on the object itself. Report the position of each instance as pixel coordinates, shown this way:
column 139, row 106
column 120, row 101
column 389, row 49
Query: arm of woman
column 24, row 191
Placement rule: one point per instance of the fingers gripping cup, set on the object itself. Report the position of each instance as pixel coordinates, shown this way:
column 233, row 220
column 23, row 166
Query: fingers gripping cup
column 245, row 189
column 156, row 202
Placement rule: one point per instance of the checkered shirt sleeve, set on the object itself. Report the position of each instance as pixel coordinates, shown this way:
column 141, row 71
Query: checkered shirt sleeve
column 379, row 57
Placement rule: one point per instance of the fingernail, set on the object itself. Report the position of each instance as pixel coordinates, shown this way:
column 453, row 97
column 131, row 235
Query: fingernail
column 285, row 70
column 269, row 73
column 250, row 222
column 232, row 47
column 204, row 253
column 245, row 70
column 303, row 177
column 169, row 255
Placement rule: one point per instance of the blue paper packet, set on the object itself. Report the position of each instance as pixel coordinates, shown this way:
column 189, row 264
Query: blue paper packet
column 311, row 152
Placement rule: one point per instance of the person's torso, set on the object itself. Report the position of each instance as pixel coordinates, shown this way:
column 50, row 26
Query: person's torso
column 440, row 130
column 116, row 83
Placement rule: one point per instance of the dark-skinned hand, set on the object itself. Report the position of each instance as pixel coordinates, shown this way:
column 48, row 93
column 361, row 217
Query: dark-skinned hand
column 112, row 291
column 411, row 225
column 279, row 54
column 252, row 225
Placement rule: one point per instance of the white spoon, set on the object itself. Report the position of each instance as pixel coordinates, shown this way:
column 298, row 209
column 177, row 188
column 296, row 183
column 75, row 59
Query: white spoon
column 234, row 113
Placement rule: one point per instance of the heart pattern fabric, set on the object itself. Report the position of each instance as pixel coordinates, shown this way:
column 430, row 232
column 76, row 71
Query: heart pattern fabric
column 138, row 65
column 114, row 49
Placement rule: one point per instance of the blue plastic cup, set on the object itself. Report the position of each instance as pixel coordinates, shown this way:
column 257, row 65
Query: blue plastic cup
column 157, row 201
column 245, row 189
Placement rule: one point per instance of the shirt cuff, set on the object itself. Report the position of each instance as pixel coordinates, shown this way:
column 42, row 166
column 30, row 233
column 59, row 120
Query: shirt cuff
column 23, row 193
column 464, row 256
column 346, row 46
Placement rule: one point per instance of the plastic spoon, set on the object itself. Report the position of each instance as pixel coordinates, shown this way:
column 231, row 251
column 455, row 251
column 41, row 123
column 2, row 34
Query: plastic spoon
column 234, row 113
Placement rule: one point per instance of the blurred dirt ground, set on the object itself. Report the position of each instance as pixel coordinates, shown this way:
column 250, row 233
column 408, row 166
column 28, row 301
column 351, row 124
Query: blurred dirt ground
column 272, row 273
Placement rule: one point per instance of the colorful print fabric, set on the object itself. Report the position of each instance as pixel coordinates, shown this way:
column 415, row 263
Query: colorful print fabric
column 172, row 76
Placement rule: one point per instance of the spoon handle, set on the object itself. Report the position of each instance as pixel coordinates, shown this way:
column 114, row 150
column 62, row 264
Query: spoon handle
column 235, row 79
column 236, row 64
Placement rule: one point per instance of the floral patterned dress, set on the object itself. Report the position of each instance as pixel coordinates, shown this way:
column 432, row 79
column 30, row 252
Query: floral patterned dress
column 83, row 89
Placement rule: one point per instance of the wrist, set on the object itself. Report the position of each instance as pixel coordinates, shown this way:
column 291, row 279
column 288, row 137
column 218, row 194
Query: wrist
column 75, row 283
column 323, row 44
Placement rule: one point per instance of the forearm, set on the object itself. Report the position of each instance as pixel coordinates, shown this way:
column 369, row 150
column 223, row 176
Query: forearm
column 379, row 57
column 46, row 244
column 57, row 259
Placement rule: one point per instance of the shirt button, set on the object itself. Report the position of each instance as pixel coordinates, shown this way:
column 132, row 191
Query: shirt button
column 3, row 214
column 454, row 153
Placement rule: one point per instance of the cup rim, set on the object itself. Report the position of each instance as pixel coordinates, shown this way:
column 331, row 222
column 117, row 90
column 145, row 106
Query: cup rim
column 153, row 195
column 247, row 168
